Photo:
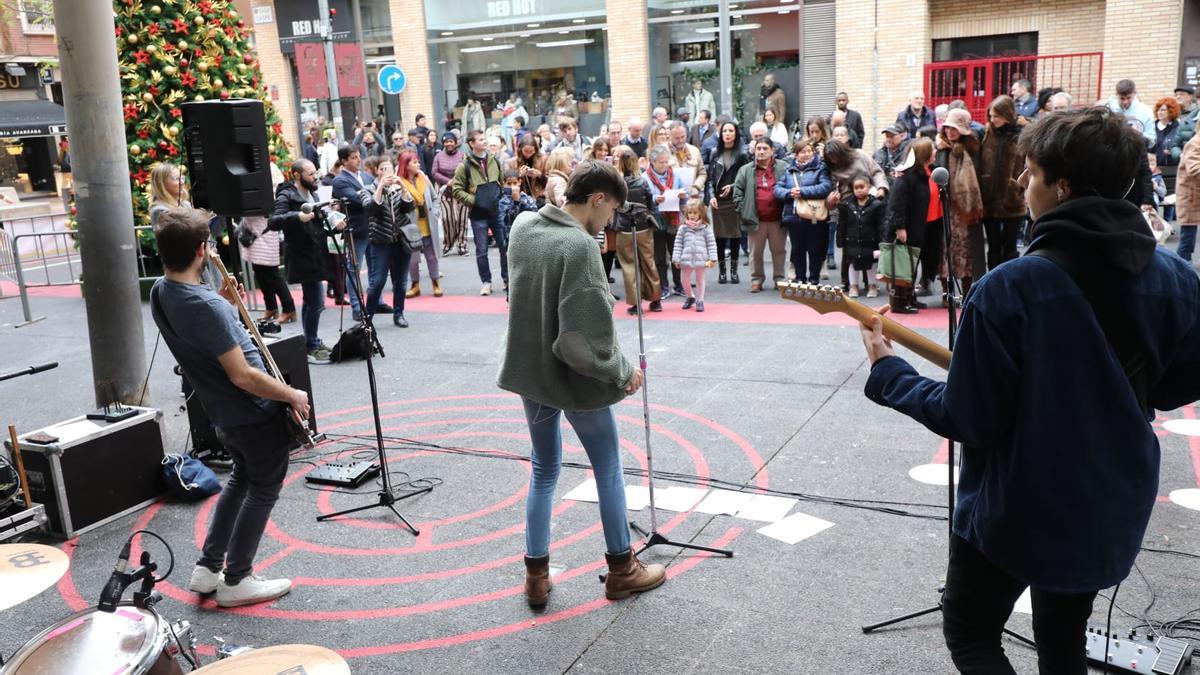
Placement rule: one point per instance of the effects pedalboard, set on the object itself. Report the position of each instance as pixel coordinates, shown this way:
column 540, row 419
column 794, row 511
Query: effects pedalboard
column 1133, row 652
column 349, row 475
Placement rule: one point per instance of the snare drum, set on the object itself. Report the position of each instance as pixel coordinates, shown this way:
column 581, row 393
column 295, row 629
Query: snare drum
column 130, row 641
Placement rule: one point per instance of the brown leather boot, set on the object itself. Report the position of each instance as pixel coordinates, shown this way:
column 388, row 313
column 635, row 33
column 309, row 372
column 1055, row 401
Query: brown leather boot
column 628, row 575
column 287, row 317
column 414, row 290
column 437, row 288
column 537, row 580
column 269, row 315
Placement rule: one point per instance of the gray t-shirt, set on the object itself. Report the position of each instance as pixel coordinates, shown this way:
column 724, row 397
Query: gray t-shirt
column 199, row 326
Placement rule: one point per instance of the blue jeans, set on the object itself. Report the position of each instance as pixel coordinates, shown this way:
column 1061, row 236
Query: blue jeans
column 1187, row 242
column 830, row 248
column 384, row 259
column 597, row 430
column 361, row 246
column 479, row 229
column 310, row 311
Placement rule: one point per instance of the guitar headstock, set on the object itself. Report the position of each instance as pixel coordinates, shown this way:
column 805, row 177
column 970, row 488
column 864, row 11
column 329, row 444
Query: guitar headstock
column 824, row 299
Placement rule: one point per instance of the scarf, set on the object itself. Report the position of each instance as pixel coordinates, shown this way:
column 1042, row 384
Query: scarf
column 672, row 217
column 416, row 189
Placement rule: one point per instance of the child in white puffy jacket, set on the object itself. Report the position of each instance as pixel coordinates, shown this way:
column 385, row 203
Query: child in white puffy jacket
column 695, row 251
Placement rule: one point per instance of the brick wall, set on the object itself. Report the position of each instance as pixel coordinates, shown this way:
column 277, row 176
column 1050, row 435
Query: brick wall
column 277, row 74
column 412, row 55
column 14, row 41
column 1063, row 26
column 903, row 48
column 628, row 59
column 1141, row 42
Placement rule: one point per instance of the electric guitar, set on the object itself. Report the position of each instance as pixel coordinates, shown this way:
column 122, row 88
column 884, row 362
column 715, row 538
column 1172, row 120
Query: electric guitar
column 297, row 424
column 826, row 299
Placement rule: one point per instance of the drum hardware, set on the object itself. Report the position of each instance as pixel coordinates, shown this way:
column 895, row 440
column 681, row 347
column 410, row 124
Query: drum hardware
column 226, row 649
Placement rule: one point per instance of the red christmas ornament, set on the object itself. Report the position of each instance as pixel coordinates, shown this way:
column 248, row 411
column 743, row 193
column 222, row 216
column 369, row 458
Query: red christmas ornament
column 187, row 80
column 74, row 211
column 153, row 29
column 141, row 176
column 241, row 24
column 183, row 63
column 152, row 153
column 224, row 94
column 205, row 6
column 248, row 59
column 141, row 57
column 173, row 151
column 118, row 31
column 143, row 134
column 153, row 90
column 180, row 26
column 162, row 144
column 131, row 112
column 176, row 113
column 216, row 60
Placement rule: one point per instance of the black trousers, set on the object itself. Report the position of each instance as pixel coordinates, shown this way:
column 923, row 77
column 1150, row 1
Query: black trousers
column 664, row 245
column 733, row 245
column 1001, row 239
column 260, row 462
column 978, row 600
column 932, row 251
column 810, row 241
column 272, row 285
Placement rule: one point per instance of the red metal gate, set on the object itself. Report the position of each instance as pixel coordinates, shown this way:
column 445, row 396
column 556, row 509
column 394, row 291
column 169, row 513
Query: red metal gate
column 978, row 81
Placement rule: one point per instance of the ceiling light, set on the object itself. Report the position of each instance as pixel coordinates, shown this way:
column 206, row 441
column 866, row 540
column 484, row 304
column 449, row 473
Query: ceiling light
column 740, row 26
column 566, row 43
column 678, row 11
column 488, row 39
column 532, row 25
column 578, row 20
column 489, row 48
column 784, row 11
column 564, row 32
column 525, row 35
column 441, row 63
column 447, row 32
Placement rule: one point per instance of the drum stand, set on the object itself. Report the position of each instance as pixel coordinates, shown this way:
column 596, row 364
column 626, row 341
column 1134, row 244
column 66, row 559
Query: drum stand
column 387, row 498
column 653, row 536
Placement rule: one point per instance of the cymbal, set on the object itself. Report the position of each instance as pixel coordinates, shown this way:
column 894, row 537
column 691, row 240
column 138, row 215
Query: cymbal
column 28, row 569
column 307, row 659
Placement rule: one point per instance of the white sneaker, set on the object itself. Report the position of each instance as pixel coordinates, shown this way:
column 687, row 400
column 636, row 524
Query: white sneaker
column 486, row 290
column 873, row 291
column 204, row 580
column 824, row 274
column 250, row 590
column 853, row 291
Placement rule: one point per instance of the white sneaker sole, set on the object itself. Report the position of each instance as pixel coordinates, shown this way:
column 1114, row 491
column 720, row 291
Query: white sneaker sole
column 253, row 600
column 204, row 589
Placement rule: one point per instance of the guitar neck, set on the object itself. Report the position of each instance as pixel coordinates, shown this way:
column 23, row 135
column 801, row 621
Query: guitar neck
column 268, row 359
column 914, row 341
column 827, row 299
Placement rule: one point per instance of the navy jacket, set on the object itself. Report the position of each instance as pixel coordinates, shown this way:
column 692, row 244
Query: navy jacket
column 1060, row 472
column 346, row 186
column 812, row 179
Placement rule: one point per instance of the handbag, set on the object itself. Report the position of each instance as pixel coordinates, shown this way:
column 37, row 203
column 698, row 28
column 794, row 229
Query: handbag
column 487, row 199
column 813, row 210
column 245, row 236
column 188, row 479
column 410, row 238
column 898, row 264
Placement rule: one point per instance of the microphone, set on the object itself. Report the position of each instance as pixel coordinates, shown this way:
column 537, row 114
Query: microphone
column 110, row 597
column 309, row 207
column 940, row 176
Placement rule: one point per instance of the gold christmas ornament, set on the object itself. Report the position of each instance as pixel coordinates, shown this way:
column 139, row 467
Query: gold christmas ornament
column 151, row 49
column 217, row 84
column 202, row 66
column 148, row 97
column 183, row 45
column 241, row 68
column 168, row 70
column 199, row 97
column 135, row 149
column 155, row 10
column 132, row 38
column 199, row 21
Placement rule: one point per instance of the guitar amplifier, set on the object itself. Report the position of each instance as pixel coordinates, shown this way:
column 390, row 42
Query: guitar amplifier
column 292, row 359
column 90, row 472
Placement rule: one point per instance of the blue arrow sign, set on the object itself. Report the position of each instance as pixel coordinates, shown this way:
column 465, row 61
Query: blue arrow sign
column 391, row 79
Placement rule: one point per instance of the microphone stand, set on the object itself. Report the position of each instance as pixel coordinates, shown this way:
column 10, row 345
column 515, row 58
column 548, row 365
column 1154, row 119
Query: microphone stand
column 950, row 298
column 653, row 537
column 387, row 498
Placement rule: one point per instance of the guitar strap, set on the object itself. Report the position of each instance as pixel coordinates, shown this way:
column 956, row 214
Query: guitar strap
column 1112, row 309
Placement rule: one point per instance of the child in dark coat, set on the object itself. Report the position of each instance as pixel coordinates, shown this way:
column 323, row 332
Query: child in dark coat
column 860, row 227
column 513, row 202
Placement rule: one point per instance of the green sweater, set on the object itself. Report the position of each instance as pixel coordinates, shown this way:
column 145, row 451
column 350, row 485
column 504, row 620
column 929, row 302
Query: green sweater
column 561, row 349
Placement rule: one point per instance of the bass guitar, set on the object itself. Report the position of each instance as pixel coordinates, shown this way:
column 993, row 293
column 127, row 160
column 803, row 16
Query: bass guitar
column 297, row 424
column 826, row 299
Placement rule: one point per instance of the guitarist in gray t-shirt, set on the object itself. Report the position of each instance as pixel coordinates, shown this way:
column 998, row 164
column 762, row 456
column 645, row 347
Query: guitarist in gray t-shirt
column 203, row 331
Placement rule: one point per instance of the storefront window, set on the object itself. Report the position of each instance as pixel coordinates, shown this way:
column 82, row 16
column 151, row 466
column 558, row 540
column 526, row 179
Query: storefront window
column 551, row 58
column 684, row 47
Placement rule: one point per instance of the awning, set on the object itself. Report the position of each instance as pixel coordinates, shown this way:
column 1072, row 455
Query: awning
column 22, row 119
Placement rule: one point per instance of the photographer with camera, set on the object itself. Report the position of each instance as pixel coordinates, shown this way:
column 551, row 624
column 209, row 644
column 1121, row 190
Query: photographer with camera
column 305, row 249
column 391, row 212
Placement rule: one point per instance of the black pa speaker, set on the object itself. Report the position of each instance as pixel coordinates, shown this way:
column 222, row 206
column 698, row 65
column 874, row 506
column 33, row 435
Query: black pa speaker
column 225, row 143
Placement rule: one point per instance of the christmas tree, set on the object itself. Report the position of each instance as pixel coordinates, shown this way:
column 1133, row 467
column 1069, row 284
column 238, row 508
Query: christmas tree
column 171, row 52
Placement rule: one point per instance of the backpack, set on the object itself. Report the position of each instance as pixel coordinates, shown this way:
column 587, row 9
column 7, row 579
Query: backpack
column 353, row 344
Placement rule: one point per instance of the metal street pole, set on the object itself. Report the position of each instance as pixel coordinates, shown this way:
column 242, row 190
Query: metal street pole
column 92, row 98
column 725, row 59
column 335, row 97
